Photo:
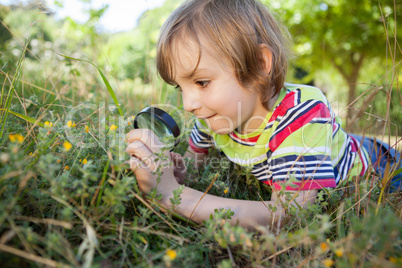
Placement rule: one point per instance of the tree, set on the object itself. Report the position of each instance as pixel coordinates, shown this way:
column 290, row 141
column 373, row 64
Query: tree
column 345, row 34
column 5, row 34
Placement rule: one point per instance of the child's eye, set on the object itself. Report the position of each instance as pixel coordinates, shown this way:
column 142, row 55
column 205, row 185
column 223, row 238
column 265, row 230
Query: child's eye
column 202, row 83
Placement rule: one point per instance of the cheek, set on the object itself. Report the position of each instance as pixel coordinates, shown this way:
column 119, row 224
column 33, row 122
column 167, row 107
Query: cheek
column 225, row 94
column 226, row 104
column 227, row 98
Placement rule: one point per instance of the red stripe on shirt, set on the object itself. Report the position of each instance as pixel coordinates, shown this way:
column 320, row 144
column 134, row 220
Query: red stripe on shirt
column 320, row 110
column 252, row 139
column 310, row 184
column 286, row 104
column 355, row 147
column 197, row 149
column 334, row 126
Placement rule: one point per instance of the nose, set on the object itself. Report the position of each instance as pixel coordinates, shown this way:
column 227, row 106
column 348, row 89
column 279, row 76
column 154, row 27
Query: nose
column 191, row 101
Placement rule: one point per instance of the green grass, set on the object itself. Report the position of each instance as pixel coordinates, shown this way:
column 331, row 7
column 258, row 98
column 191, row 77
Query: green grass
column 93, row 214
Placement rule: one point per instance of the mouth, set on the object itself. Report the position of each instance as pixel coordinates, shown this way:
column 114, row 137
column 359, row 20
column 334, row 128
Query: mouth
column 206, row 117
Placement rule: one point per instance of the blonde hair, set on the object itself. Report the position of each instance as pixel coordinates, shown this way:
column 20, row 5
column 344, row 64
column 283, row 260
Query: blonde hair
column 235, row 29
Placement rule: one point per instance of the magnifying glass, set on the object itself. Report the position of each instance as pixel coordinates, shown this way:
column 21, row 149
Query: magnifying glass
column 160, row 122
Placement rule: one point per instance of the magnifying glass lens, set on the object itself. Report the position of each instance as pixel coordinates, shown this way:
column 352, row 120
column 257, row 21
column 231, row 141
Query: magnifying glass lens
column 161, row 123
column 149, row 121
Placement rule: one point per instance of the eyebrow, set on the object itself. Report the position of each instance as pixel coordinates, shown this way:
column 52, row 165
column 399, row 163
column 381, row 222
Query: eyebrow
column 193, row 73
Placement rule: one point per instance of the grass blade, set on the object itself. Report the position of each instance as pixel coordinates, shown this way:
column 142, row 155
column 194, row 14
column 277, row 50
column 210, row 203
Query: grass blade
column 107, row 84
column 26, row 118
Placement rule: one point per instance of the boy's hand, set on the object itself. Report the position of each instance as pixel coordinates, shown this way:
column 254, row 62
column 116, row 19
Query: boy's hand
column 149, row 157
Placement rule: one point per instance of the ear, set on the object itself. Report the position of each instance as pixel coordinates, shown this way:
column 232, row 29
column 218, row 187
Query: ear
column 266, row 58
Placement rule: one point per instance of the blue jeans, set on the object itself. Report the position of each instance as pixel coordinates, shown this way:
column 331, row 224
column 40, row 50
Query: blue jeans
column 379, row 152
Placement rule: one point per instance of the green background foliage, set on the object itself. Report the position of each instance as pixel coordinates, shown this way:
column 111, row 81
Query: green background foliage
column 346, row 38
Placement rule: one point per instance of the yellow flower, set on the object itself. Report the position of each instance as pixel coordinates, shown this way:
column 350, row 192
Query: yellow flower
column 86, row 128
column 339, row 252
column 48, row 124
column 12, row 137
column 16, row 137
column 58, row 161
column 113, row 127
column 226, row 191
column 66, row 167
column 71, row 124
column 324, row 246
column 19, row 137
column 328, row 262
column 84, row 161
column 393, row 259
column 67, row 146
column 171, row 254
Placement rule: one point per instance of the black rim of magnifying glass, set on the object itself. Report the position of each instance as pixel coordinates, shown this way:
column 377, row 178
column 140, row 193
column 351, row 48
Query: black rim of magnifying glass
column 164, row 117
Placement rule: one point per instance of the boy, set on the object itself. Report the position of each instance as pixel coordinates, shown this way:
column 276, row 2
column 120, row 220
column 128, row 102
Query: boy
column 229, row 60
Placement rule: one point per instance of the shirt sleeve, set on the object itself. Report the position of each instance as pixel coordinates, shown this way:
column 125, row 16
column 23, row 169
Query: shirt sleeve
column 299, row 155
column 200, row 138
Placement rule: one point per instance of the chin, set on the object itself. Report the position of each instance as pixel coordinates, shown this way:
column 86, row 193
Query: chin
column 221, row 128
column 222, row 131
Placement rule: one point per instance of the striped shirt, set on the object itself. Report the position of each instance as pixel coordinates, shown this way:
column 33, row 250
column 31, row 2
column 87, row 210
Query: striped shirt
column 299, row 146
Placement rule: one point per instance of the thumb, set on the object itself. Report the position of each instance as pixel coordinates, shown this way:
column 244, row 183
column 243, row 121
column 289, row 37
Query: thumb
column 142, row 173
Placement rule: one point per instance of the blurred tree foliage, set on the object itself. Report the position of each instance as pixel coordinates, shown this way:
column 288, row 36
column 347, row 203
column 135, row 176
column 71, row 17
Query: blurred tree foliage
column 132, row 54
column 347, row 35
column 21, row 24
column 35, row 24
column 5, row 34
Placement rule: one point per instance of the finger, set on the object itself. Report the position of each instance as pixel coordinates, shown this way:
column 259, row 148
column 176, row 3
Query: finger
column 133, row 146
column 137, row 148
column 141, row 134
column 147, row 137
column 142, row 173
column 134, row 163
column 142, row 156
column 146, row 163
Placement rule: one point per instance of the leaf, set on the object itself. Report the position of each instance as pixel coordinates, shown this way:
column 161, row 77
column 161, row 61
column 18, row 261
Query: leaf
column 396, row 172
column 26, row 118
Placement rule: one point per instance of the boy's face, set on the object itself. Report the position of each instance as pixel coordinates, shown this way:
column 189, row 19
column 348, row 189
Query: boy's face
column 212, row 92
